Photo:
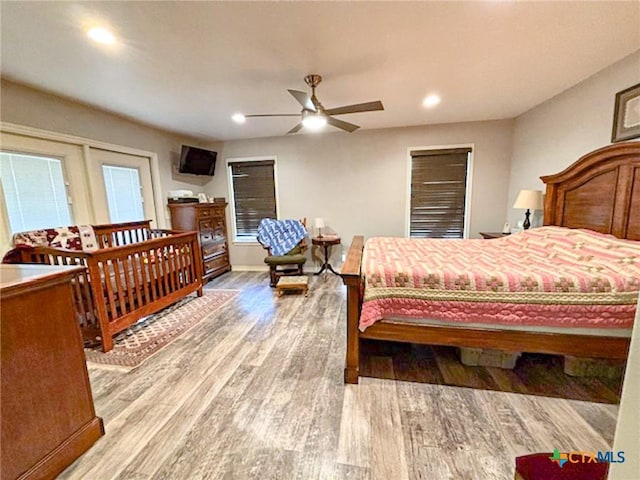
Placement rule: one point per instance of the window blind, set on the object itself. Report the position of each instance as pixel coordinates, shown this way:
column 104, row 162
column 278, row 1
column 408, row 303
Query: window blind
column 34, row 192
column 123, row 193
column 254, row 195
column 438, row 193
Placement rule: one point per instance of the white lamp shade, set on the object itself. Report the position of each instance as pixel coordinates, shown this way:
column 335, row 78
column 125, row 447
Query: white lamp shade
column 529, row 199
column 318, row 222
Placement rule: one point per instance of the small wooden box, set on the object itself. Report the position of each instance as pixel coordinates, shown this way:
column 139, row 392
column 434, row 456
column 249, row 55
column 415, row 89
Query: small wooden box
column 296, row 282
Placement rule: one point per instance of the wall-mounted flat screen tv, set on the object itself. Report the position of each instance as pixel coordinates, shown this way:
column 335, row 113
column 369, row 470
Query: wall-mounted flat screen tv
column 197, row 161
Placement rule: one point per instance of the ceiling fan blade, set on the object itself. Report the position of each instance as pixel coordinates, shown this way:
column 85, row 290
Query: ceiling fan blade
column 303, row 99
column 295, row 129
column 359, row 107
column 349, row 127
column 274, row 115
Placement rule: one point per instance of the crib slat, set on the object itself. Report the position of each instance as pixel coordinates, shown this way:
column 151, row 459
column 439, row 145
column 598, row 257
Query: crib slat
column 136, row 265
column 174, row 269
column 90, row 309
column 181, row 266
column 108, row 288
column 144, row 269
column 156, row 281
column 129, row 274
column 163, row 264
column 192, row 266
column 121, row 299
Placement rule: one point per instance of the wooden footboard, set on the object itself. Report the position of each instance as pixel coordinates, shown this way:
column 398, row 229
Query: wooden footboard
column 350, row 274
column 125, row 283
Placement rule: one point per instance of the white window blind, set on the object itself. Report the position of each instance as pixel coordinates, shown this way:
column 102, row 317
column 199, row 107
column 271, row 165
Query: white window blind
column 254, row 195
column 438, row 193
column 34, row 192
column 123, row 193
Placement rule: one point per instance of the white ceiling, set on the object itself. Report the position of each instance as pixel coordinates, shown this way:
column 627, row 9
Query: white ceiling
column 188, row 66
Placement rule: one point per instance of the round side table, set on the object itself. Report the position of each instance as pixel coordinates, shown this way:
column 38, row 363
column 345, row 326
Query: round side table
column 326, row 242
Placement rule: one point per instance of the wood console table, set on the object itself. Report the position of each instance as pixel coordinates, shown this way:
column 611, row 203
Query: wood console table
column 48, row 419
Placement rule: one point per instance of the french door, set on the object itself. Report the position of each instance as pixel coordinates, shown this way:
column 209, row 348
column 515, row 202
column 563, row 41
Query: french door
column 45, row 183
column 121, row 187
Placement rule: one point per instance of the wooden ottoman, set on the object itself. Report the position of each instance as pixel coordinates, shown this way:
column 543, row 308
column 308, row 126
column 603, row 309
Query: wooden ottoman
column 295, row 282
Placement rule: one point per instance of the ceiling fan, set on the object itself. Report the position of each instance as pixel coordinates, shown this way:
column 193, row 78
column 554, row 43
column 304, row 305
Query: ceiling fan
column 314, row 115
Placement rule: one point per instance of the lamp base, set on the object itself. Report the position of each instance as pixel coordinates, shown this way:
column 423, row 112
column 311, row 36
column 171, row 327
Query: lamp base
column 527, row 223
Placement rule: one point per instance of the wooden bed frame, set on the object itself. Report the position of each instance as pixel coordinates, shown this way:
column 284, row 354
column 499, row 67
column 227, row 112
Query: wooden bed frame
column 135, row 272
column 601, row 192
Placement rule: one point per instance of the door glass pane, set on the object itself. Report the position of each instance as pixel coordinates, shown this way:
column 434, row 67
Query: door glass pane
column 34, row 192
column 123, row 193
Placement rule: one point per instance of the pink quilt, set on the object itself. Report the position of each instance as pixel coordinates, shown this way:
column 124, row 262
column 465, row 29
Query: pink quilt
column 548, row 276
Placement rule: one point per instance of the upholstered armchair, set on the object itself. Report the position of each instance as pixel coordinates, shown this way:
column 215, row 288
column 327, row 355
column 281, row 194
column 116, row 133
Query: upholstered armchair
column 291, row 263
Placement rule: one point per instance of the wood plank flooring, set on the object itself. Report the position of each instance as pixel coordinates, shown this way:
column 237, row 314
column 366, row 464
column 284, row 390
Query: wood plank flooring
column 256, row 391
column 534, row 374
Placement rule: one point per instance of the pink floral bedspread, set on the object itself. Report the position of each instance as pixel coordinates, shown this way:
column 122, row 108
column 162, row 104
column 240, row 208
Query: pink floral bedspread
column 548, row 276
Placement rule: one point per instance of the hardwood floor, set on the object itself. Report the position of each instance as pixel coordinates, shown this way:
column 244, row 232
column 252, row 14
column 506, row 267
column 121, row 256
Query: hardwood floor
column 534, row 374
column 256, row 391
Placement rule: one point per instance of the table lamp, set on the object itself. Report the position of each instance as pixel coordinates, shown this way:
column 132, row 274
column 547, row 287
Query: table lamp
column 531, row 200
column 319, row 224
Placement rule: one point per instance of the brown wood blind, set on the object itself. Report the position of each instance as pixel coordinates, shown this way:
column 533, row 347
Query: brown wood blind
column 438, row 190
column 254, row 195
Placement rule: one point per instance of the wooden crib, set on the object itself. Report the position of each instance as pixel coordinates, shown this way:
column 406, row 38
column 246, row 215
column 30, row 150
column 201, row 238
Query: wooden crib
column 136, row 271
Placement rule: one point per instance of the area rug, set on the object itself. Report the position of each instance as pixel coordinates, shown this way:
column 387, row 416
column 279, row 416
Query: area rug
column 143, row 339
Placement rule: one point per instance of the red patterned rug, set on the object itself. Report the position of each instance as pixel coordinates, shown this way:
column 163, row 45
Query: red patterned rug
column 134, row 345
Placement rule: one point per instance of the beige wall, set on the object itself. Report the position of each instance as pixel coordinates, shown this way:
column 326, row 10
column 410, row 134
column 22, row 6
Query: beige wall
column 553, row 135
column 358, row 182
column 33, row 108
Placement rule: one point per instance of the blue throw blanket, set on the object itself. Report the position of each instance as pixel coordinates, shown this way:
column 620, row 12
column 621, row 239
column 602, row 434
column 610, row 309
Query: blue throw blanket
column 281, row 236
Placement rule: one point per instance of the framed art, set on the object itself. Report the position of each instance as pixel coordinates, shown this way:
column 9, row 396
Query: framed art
column 626, row 115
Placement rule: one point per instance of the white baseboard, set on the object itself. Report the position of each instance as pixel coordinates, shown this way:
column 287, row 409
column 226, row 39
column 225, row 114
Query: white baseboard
column 265, row 268
column 249, row 268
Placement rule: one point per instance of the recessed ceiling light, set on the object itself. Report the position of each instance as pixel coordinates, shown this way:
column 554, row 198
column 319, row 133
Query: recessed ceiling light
column 431, row 100
column 238, row 118
column 101, row 35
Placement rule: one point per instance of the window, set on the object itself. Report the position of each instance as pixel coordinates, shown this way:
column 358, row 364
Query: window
column 438, row 193
column 34, row 192
column 253, row 192
column 123, row 193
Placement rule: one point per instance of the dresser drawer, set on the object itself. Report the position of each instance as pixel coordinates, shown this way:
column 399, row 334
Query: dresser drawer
column 205, row 224
column 216, row 263
column 209, row 249
column 204, row 212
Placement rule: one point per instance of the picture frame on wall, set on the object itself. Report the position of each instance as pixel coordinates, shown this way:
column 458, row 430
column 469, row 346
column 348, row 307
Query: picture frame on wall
column 626, row 115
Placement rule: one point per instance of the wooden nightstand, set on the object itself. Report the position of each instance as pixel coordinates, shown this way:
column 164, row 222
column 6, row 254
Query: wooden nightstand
column 490, row 235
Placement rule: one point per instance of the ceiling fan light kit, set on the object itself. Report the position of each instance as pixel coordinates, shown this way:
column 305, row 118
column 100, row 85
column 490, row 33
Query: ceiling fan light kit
column 313, row 114
column 313, row 120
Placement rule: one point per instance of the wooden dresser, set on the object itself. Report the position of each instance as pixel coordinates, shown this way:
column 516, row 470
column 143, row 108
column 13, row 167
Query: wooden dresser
column 209, row 220
column 48, row 419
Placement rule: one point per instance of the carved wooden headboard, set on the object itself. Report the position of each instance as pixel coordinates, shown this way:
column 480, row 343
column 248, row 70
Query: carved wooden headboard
column 601, row 192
